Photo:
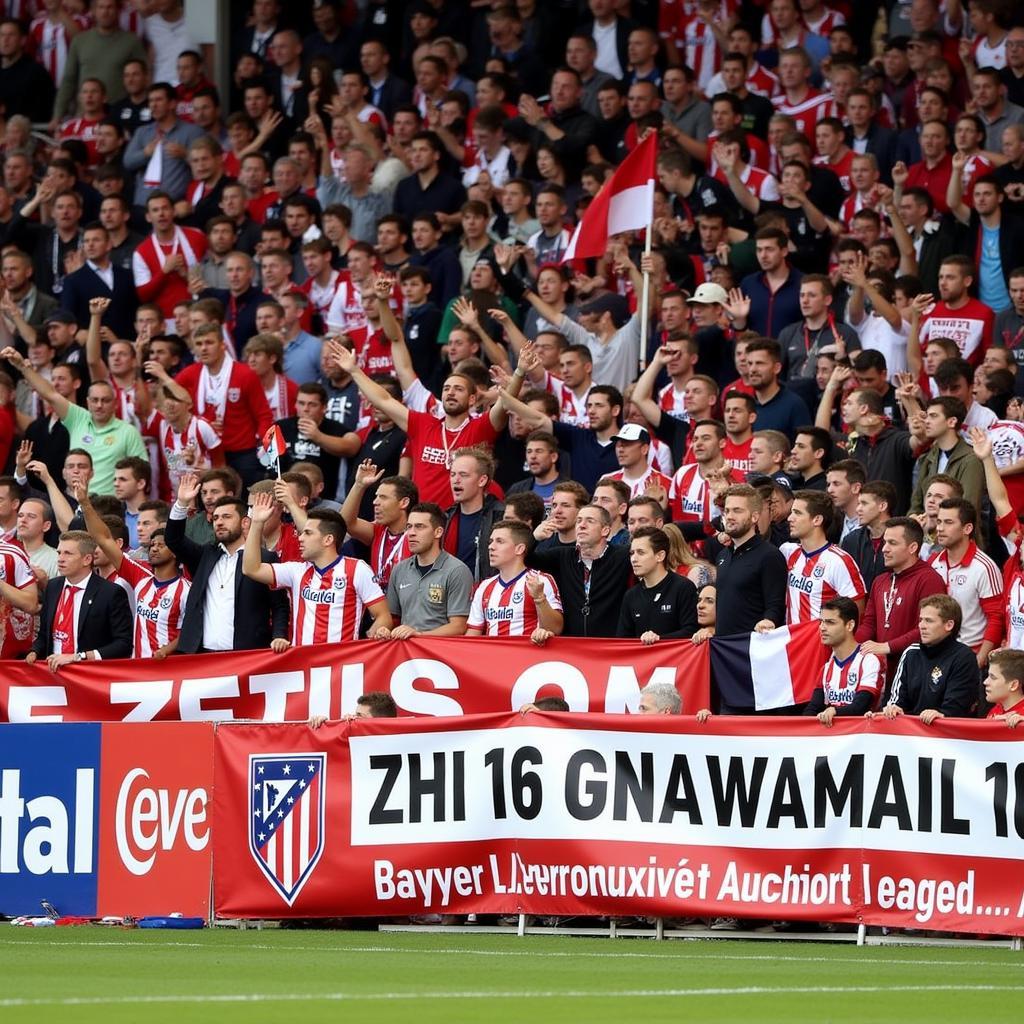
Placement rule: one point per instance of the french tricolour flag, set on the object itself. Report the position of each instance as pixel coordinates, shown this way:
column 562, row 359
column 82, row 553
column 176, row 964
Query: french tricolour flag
column 625, row 203
column 771, row 670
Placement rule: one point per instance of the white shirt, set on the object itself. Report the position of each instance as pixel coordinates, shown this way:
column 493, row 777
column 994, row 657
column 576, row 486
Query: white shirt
column 607, row 49
column 219, row 604
column 876, row 332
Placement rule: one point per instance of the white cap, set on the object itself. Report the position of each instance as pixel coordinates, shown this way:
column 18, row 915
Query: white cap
column 632, row 432
column 709, row 293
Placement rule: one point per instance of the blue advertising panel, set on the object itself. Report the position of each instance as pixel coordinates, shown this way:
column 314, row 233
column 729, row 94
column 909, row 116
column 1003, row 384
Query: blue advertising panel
column 49, row 813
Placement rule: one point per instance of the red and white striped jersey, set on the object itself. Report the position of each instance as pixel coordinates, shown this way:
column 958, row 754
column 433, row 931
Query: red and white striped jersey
column 571, row 409
column 84, row 129
column 638, row 486
column 851, row 206
column 842, row 680
column 973, row 581
column 690, row 496
column 159, row 607
column 387, row 549
column 671, row 401
column 809, row 111
column 660, row 456
column 49, row 43
column 501, row 608
column 815, row 577
column 16, row 626
column 346, row 311
column 703, row 52
column 327, row 604
column 759, row 183
column 823, row 26
column 759, row 80
column 187, row 451
column 1013, row 607
column 321, row 295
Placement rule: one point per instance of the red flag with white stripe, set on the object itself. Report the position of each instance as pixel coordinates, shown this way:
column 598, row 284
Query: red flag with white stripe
column 625, row 203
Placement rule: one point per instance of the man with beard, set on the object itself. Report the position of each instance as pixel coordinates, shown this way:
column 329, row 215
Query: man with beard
column 225, row 611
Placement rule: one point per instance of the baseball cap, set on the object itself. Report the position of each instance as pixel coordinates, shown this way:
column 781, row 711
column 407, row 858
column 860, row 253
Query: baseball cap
column 61, row 316
column 632, row 432
column 608, row 303
column 709, row 293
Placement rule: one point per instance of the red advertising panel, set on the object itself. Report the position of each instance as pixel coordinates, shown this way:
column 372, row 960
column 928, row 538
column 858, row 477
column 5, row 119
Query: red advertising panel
column 874, row 821
column 155, row 850
column 426, row 676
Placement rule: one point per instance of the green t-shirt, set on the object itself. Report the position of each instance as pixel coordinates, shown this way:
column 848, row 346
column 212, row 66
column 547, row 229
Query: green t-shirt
column 107, row 445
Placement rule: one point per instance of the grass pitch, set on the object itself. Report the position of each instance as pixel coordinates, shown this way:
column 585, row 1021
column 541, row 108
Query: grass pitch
column 85, row 975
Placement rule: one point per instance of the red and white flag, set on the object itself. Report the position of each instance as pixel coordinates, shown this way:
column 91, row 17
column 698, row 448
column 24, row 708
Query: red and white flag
column 274, row 445
column 625, row 203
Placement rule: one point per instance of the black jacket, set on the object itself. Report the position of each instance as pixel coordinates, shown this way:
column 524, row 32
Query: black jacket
column 867, row 556
column 104, row 619
column 882, row 144
column 751, row 586
column 596, row 613
column 669, row 609
column 85, row 284
column 942, row 676
column 261, row 614
column 492, row 512
column 245, row 311
column 888, row 457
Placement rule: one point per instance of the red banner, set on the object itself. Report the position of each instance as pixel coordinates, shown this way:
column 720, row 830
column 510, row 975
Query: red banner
column 452, row 676
column 155, row 849
column 888, row 823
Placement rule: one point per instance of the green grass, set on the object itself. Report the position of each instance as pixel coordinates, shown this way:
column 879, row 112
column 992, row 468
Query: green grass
column 78, row 975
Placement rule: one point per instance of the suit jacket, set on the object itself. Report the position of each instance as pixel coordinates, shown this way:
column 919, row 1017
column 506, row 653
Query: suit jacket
column 85, row 284
column 623, row 27
column 394, row 92
column 104, row 619
column 882, row 143
column 261, row 614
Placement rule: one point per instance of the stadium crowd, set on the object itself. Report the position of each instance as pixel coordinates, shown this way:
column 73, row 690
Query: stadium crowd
column 305, row 362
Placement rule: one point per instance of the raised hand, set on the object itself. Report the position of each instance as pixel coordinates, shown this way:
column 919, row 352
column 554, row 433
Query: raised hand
column 23, row 458
column 921, row 305
column 14, row 357
column 981, row 443
column 857, row 273
column 529, row 360
column 504, row 256
column 261, row 508
column 368, row 474
column 466, row 312
column 98, row 306
column 900, row 174
column 345, row 359
column 188, row 489
column 383, row 286
column 40, row 469
column 155, row 369
column 738, row 306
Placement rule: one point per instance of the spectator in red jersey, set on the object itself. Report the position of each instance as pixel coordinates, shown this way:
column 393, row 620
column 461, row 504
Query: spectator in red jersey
column 933, row 171
column 1004, row 687
column 92, row 99
column 161, row 264
column 229, row 395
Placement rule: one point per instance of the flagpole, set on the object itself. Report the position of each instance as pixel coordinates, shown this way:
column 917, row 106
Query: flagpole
column 645, row 301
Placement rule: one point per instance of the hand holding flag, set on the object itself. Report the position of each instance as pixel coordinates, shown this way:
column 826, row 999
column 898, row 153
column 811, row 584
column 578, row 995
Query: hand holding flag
column 274, row 445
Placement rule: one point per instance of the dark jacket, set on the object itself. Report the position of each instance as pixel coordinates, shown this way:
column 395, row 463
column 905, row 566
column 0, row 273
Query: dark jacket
column 1011, row 241
column 669, row 609
column 445, row 274
column 587, row 614
column 245, row 316
column 580, row 130
column 394, row 92
column 888, row 456
column 868, row 557
column 942, row 676
column 85, row 284
column 261, row 614
column 771, row 311
column 962, row 464
column 104, row 620
column 492, row 512
column 623, row 27
column 881, row 143
column 937, row 245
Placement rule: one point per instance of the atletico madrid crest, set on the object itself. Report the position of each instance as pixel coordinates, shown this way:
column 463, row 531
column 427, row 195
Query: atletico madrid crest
column 286, row 817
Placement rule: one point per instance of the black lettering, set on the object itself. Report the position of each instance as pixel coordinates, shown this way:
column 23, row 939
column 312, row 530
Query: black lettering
column 951, row 824
column 526, row 788
column 882, row 807
column 684, row 802
column 459, row 785
column 787, row 801
column 596, row 789
column 640, row 790
column 391, row 765
column 924, row 794
column 997, row 773
column 849, row 791
column 421, row 788
column 734, row 791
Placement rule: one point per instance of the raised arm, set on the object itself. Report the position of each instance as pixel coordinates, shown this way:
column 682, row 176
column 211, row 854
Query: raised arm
column 528, row 361
column 37, row 382
column 533, row 418
column 955, row 190
column 917, row 307
column 467, row 315
column 994, row 484
column 834, row 388
column 62, row 511
column 643, row 390
column 98, row 369
column 98, row 530
column 377, row 396
column 283, row 494
column 367, row 475
column 261, row 509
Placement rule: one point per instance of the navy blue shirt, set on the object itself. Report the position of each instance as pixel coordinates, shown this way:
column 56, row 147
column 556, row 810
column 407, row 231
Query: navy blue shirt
column 786, row 412
column 591, row 459
column 771, row 311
